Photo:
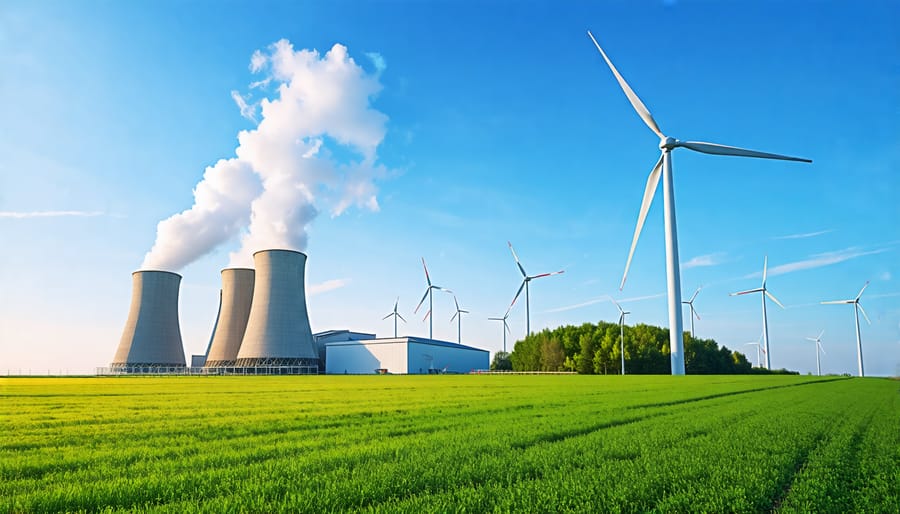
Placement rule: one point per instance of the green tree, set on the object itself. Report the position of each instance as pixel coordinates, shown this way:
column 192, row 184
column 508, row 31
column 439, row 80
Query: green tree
column 501, row 362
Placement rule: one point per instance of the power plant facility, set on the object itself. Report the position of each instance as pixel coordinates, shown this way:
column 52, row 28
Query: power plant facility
column 262, row 327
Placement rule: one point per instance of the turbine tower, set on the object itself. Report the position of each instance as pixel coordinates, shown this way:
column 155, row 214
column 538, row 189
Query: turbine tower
column 857, row 308
column 818, row 341
column 526, row 279
column 428, row 293
column 664, row 167
column 396, row 315
column 690, row 303
column 458, row 316
column 765, row 292
column 505, row 327
column 622, row 314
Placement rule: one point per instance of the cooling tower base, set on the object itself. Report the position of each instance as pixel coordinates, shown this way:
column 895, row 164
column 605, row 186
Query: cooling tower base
column 260, row 362
column 218, row 364
column 145, row 368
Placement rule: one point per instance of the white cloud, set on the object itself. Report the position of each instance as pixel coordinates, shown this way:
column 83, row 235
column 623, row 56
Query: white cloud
column 885, row 276
column 604, row 298
column 48, row 214
column 712, row 259
column 247, row 110
column 378, row 61
column 328, row 285
column 818, row 260
column 804, row 235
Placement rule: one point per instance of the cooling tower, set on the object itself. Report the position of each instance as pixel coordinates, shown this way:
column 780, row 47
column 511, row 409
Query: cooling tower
column 234, row 311
column 278, row 332
column 152, row 337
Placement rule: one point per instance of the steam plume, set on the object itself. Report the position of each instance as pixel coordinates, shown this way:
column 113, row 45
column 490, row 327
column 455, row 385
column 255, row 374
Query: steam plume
column 315, row 147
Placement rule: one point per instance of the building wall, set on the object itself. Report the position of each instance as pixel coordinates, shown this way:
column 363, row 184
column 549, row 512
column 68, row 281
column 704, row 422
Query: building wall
column 402, row 356
column 422, row 356
column 355, row 358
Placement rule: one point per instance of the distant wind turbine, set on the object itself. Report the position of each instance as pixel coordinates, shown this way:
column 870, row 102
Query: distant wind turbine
column 857, row 308
column 396, row 315
column 505, row 327
column 458, row 316
column 664, row 167
column 622, row 314
column 818, row 341
column 526, row 279
column 765, row 292
column 690, row 303
column 430, row 296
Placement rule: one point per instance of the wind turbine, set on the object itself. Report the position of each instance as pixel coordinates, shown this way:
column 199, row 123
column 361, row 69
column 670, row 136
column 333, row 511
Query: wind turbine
column 664, row 167
column 622, row 314
column 458, row 314
column 690, row 303
column 396, row 315
column 430, row 296
column 758, row 347
column 765, row 292
column 526, row 278
column 505, row 327
column 818, row 341
column 857, row 308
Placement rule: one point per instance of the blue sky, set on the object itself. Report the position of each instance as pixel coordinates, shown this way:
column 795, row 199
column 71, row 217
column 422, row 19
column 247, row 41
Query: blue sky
column 502, row 123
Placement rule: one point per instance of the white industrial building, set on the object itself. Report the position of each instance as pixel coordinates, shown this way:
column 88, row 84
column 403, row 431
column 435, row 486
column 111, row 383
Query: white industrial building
column 403, row 355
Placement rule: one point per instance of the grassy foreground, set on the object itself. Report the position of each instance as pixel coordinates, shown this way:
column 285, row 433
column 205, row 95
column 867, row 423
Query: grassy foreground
column 450, row 444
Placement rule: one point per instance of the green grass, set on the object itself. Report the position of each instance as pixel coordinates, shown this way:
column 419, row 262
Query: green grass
column 450, row 444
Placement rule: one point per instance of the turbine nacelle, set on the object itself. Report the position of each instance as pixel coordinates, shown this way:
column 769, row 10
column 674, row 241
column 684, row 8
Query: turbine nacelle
column 668, row 143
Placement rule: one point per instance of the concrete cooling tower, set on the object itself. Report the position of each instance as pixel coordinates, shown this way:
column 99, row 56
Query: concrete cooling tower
column 234, row 311
column 152, row 337
column 278, row 332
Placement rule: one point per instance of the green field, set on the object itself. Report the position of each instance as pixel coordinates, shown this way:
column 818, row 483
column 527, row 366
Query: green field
column 450, row 444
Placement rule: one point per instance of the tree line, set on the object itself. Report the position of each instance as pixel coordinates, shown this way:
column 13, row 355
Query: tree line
column 594, row 348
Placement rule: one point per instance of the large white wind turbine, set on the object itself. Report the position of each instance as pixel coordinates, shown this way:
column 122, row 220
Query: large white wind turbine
column 430, row 296
column 664, row 167
column 622, row 314
column 526, row 279
column 505, row 327
column 818, row 341
column 857, row 308
column 765, row 292
column 458, row 316
column 690, row 303
column 396, row 315
column 757, row 345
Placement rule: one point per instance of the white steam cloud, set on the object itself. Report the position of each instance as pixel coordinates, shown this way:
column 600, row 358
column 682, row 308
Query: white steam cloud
column 315, row 147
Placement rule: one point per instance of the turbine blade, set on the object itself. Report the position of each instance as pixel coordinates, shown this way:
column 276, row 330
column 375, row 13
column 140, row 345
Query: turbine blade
column 616, row 304
column 444, row 289
column 757, row 290
column 863, row 311
column 834, row 302
column 772, row 297
column 621, row 318
column 388, row 316
column 424, row 296
column 401, row 317
column 516, row 257
column 813, row 339
column 517, row 295
column 464, row 311
column 695, row 312
column 822, row 333
column 496, row 319
column 426, row 315
column 456, row 302
column 547, row 274
column 454, row 316
column 506, row 326
column 691, row 301
column 649, row 191
column 427, row 278
column 632, row 97
column 396, row 303
column 716, row 149
column 863, row 289
column 765, row 270
column 821, row 348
